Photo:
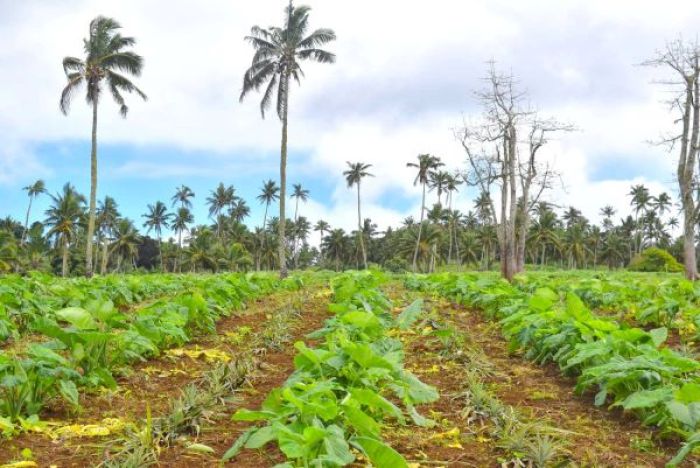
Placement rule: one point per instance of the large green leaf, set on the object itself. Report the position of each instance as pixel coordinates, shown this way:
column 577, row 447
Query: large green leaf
column 78, row 317
column 409, row 315
column 378, row 453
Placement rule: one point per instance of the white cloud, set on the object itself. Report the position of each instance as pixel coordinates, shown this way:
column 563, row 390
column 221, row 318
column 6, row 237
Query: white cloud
column 405, row 73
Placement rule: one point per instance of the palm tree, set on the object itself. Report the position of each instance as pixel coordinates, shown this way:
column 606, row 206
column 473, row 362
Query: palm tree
column 63, row 217
column 182, row 196
column 641, row 200
column 278, row 52
column 268, row 194
column 107, row 215
column 33, row 191
column 181, row 220
column 239, row 210
column 426, row 164
column 322, row 227
column 438, row 180
column 157, row 218
column 336, row 244
column 126, row 242
column 104, row 64
column 353, row 176
column 218, row 200
column 298, row 193
column 662, row 203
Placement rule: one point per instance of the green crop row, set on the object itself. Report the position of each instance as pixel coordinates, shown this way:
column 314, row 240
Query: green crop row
column 84, row 346
column 334, row 404
column 643, row 298
column 626, row 366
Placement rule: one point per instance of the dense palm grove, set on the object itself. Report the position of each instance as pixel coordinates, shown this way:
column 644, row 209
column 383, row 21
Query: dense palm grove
column 169, row 238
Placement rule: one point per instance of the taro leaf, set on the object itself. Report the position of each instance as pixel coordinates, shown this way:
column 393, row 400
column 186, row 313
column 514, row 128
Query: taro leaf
column 543, row 299
column 238, row 444
column 688, row 415
column 647, row 398
column 409, row 315
column 375, row 401
column 78, row 317
column 336, row 447
column 658, row 335
column 260, row 437
column 379, row 454
column 361, row 319
column 688, row 393
column 418, row 418
column 291, row 443
column 248, row 415
column 69, row 392
column 362, row 422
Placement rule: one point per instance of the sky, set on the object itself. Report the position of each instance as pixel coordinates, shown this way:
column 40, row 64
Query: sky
column 405, row 78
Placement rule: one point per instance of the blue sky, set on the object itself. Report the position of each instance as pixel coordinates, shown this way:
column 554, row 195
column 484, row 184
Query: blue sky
column 392, row 94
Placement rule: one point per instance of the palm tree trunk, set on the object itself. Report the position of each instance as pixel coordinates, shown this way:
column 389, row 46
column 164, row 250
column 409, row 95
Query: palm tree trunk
column 64, row 265
column 449, row 227
column 103, row 266
column 420, row 229
column 281, row 248
column 93, row 194
column 359, row 228
column 160, row 253
column 179, row 251
column 26, row 222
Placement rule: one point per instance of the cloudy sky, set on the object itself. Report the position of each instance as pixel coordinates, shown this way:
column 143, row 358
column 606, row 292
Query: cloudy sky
column 405, row 76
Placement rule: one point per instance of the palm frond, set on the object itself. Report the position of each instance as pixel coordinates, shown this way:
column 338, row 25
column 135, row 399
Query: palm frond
column 73, row 64
column 256, row 75
column 267, row 97
column 122, row 83
column 317, row 38
column 318, row 55
column 75, row 79
column 123, row 61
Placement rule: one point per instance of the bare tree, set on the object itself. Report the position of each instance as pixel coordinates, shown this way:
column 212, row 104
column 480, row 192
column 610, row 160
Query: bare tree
column 496, row 155
column 683, row 59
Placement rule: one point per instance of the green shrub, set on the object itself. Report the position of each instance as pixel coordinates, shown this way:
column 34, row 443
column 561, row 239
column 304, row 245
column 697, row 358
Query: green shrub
column 396, row 265
column 655, row 259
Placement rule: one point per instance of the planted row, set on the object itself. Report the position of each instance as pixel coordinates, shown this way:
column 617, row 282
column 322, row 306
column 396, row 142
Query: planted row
column 86, row 345
column 628, row 367
column 23, row 300
column 343, row 390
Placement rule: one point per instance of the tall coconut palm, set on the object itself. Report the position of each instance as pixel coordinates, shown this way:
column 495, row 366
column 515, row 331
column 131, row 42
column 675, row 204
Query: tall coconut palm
column 426, row 164
column 106, row 64
column 219, row 199
column 182, row 196
column 157, row 218
column 33, row 191
column 298, row 193
column 278, row 53
column 322, row 227
column 181, row 221
column 641, row 201
column 239, row 210
column 353, row 176
column 62, row 218
column 107, row 216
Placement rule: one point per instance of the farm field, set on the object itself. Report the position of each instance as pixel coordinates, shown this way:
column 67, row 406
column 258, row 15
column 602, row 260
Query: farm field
column 446, row 369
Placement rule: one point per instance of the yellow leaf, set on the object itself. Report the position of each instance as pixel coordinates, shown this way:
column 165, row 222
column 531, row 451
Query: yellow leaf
column 20, row 464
